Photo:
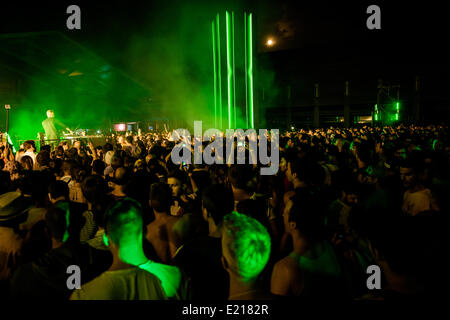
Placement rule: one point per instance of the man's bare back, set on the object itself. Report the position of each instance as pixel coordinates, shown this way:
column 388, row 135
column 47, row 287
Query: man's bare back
column 161, row 235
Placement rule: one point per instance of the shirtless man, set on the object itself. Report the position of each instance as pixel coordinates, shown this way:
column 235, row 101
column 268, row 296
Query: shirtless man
column 160, row 232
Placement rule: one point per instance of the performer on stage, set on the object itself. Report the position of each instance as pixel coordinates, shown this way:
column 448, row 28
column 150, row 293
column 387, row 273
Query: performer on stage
column 49, row 126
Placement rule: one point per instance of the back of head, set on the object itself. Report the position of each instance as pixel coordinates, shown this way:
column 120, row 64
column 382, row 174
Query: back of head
column 46, row 147
column 246, row 246
column 94, row 187
column 218, row 202
column 60, row 151
column 98, row 166
column 307, row 212
column 240, row 176
column 43, row 158
column 129, row 139
column 307, row 171
column 26, row 162
column 28, row 145
column 55, row 219
column 122, row 176
column 67, row 166
column 160, row 197
column 59, row 189
column 123, row 223
column 107, row 147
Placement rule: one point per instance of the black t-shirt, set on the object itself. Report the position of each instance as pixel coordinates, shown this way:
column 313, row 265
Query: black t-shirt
column 200, row 259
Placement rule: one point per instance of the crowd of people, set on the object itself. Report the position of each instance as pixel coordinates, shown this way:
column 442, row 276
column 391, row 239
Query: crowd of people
column 139, row 226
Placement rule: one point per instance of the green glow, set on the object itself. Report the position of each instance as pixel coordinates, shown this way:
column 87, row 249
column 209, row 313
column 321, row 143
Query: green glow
column 10, row 142
column 234, row 71
column 250, row 66
column 246, row 68
column 397, row 107
column 219, row 68
column 396, row 116
column 247, row 243
column 170, row 276
column 229, row 68
column 215, row 73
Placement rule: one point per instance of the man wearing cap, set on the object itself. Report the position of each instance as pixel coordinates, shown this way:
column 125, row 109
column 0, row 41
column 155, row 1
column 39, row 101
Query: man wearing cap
column 13, row 211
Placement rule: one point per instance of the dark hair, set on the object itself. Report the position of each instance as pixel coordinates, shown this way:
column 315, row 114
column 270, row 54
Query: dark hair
column 72, row 153
column 55, row 219
column 60, row 151
column 98, row 166
column 107, row 147
column 218, row 202
column 240, row 176
column 160, row 197
column 28, row 144
column 124, row 219
column 43, row 158
column 129, row 139
column 307, row 212
column 307, row 171
column 93, row 187
column 26, row 163
column 68, row 166
column 46, row 147
column 59, row 189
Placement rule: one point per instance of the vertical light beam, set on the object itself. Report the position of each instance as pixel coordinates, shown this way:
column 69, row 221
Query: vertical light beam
column 246, row 68
column 215, row 72
column 229, row 69
column 250, row 67
column 219, row 69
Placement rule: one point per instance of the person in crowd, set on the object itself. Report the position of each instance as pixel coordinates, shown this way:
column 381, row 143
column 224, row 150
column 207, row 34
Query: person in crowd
column 29, row 148
column 245, row 198
column 13, row 212
column 200, row 257
column 416, row 198
column 312, row 268
column 160, row 232
column 332, row 187
column 132, row 276
column 26, row 163
column 119, row 183
column 246, row 249
column 46, row 277
column 339, row 211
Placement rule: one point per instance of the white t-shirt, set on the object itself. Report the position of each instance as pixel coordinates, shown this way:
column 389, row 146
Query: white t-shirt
column 126, row 284
column 31, row 154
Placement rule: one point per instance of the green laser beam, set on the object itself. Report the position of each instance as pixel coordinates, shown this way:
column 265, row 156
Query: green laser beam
column 229, row 70
column 215, row 73
column 250, row 68
column 219, row 68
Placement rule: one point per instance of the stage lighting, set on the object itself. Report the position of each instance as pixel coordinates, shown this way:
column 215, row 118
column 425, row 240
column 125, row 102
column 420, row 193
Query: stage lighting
column 119, row 127
column 270, row 42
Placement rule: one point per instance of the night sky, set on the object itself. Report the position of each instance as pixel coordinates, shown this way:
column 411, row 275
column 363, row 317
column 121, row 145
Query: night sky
column 409, row 29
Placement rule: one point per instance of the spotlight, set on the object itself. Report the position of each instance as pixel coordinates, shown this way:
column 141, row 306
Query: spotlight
column 270, row 42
